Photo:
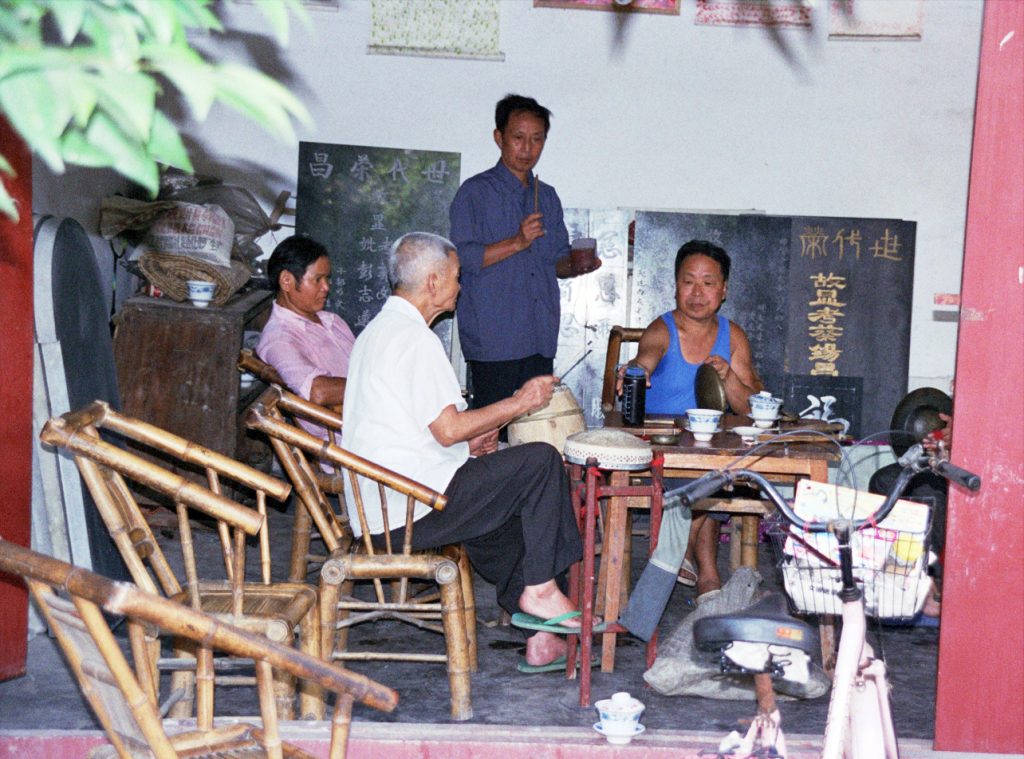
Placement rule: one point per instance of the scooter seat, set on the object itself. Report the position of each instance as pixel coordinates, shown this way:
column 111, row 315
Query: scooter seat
column 768, row 621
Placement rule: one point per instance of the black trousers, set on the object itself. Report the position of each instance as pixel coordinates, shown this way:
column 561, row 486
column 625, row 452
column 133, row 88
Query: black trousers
column 511, row 510
column 493, row 381
column 496, row 380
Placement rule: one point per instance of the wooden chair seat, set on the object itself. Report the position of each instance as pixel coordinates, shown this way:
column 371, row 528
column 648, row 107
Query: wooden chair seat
column 284, row 612
column 449, row 606
column 123, row 695
column 275, row 611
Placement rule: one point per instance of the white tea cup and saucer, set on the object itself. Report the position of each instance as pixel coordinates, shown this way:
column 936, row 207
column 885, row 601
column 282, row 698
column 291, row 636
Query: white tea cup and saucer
column 703, row 423
column 764, row 409
column 620, row 718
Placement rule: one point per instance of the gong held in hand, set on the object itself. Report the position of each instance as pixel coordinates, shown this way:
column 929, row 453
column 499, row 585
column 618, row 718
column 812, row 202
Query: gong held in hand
column 709, row 389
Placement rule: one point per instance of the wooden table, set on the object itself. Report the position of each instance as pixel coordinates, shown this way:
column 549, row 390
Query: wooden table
column 802, row 457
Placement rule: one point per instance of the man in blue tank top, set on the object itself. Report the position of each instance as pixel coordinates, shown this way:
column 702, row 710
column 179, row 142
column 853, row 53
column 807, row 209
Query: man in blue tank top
column 671, row 350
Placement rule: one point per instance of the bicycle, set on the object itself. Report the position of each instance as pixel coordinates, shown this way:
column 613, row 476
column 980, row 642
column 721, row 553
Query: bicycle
column 764, row 640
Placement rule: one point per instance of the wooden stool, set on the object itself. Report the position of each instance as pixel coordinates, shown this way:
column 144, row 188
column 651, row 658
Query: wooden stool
column 590, row 482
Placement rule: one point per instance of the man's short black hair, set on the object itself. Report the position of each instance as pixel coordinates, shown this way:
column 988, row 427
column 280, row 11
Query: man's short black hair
column 704, row 248
column 293, row 255
column 514, row 104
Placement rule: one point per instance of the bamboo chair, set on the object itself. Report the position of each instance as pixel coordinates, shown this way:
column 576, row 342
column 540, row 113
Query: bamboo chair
column 124, row 697
column 448, row 568
column 616, row 337
column 304, row 530
column 274, row 609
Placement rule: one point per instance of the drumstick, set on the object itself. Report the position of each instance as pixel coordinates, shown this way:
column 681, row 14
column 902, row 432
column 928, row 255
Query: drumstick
column 536, row 189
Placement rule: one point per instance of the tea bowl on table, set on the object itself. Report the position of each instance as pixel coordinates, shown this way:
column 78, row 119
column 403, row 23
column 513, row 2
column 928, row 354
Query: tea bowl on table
column 703, row 422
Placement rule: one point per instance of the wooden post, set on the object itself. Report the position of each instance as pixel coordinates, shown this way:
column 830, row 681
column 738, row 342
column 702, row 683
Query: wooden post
column 15, row 410
column 980, row 693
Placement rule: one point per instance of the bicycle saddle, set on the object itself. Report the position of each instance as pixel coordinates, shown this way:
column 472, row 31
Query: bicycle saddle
column 768, row 621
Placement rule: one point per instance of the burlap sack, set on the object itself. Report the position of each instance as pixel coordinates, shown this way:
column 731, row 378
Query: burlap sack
column 170, row 273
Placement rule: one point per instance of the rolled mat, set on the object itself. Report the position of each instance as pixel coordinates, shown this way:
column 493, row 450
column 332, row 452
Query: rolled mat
column 170, row 272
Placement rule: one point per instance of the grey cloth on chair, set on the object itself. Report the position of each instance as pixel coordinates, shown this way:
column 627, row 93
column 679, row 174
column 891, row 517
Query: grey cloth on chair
column 682, row 670
column 650, row 595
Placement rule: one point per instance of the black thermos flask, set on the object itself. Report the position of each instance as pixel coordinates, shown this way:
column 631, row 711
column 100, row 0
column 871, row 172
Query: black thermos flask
column 634, row 395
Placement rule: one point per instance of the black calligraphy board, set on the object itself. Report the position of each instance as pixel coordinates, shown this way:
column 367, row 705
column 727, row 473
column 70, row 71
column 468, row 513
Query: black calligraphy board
column 826, row 303
column 356, row 201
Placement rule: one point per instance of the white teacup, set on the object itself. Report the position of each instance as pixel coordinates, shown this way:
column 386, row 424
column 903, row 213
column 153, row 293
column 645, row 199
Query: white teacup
column 764, row 418
column 703, row 422
column 200, row 292
column 620, row 718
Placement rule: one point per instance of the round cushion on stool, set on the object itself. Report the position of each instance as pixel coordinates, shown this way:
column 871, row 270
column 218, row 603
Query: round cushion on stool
column 613, row 449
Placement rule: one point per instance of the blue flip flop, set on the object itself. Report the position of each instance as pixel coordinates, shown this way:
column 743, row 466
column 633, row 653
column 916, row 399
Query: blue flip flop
column 553, row 625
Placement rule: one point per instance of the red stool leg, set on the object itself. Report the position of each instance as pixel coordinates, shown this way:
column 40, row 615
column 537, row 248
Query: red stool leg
column 587, row 581
column 576, row 488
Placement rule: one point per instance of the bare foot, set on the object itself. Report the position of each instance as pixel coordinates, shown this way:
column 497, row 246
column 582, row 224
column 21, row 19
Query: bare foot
column 547, row 601
column 543, row 648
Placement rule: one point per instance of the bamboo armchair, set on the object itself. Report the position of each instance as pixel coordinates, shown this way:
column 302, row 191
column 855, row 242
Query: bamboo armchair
column 340, row 609
column 274, row 609
column 304, row 530
column 123, row 697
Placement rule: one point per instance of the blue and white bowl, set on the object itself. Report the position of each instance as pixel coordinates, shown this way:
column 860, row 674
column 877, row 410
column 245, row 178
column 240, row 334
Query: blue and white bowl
column 764, row 402
column 200, row 292
column 703, row 419
column 620, row 717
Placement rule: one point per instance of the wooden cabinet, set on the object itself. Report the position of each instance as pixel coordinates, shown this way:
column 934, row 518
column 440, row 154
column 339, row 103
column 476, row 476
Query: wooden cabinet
column 176, row 369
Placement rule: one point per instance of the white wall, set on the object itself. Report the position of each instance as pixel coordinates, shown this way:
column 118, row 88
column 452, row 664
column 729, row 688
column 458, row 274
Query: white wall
column 673, row 116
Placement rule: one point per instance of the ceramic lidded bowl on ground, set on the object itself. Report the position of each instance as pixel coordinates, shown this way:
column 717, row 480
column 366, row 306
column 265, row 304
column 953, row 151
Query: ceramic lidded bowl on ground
column 620, row 718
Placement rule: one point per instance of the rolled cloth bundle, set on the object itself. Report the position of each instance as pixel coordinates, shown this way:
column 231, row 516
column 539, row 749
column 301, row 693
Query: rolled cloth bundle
column 170, row 272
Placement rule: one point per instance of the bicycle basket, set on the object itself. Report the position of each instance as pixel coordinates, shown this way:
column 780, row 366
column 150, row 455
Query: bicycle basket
column 890, row 559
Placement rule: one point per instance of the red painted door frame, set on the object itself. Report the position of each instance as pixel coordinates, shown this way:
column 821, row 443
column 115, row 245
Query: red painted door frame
column 980, row 694
column 16, row 341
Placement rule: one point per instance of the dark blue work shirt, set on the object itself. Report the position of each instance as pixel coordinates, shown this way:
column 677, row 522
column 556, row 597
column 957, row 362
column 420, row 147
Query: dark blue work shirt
column 509, row 310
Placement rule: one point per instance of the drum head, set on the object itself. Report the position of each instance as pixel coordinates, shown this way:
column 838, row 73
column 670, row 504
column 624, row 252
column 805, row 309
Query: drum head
column 709, row 389
column 916, row 416
column 612, row 449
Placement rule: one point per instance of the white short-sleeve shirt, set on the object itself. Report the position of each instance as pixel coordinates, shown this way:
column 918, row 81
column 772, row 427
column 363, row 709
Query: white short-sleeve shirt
column 399, row 382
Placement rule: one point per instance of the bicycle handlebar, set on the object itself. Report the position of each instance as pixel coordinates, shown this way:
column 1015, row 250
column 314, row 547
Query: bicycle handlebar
column 913, row 461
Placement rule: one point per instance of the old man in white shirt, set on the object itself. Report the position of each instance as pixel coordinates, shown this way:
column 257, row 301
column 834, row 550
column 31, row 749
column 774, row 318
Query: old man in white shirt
column 404, row 410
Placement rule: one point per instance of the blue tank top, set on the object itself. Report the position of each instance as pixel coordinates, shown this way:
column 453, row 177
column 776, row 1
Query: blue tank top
column 672, row 384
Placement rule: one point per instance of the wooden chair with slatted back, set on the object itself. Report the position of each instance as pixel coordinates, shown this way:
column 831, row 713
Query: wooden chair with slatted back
column 304, row 529
column 616, row 337
column 300, row 454
column 275, row 609
column 124, row 698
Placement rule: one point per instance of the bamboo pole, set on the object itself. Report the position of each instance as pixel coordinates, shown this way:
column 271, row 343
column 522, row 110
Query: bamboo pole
column 125, row 599
column 58, row 433
column 258, row 418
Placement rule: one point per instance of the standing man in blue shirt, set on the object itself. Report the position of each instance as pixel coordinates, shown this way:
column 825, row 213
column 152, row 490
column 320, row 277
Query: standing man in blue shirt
column 512, row 244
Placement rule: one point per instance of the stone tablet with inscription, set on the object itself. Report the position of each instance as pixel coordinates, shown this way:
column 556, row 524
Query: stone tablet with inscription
column 356, row 201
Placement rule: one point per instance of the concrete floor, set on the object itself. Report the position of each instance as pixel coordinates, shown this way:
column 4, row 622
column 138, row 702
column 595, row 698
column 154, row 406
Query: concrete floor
column 46, row 696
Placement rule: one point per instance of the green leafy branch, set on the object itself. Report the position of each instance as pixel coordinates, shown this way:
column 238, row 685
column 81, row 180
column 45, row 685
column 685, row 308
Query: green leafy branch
column 80, row 82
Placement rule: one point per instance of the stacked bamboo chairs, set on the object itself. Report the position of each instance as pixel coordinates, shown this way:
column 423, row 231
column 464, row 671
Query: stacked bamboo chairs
column 304, row 530
column 301, row 454
column 124, row 698
column 274, row 609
